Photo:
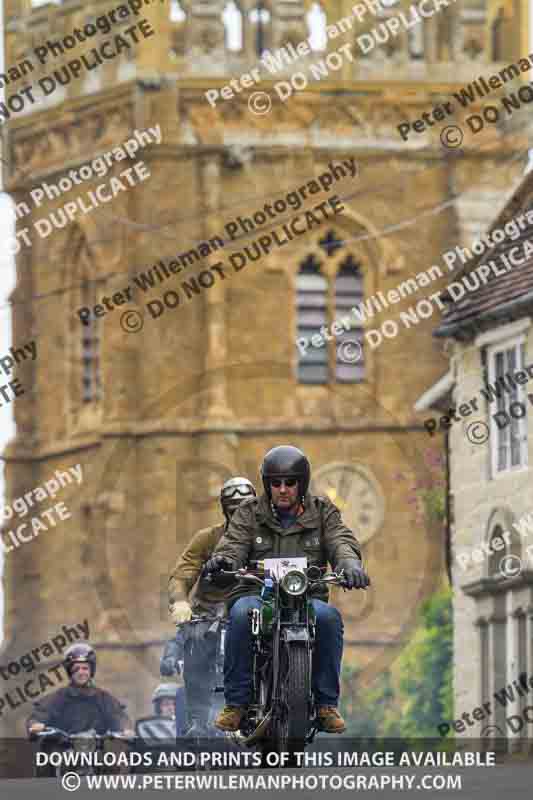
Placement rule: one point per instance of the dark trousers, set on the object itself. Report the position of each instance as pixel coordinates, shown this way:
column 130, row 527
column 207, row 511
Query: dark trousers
column 326, row 658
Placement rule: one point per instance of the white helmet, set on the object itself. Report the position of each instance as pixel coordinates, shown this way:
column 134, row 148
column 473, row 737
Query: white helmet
column 233, row 492
column 161, row 691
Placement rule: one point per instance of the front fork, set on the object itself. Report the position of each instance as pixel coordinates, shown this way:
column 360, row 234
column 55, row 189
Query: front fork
column 270, row 653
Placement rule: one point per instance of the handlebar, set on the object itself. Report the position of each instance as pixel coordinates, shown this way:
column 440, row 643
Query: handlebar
column 50, row 731
column 202, row 619
column 244, row 575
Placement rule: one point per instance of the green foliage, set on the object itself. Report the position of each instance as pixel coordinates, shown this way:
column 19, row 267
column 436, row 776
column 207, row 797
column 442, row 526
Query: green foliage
column 427, row 495
column 435, row 504
column 425, row 670
column 413, row 698
column 365, row 711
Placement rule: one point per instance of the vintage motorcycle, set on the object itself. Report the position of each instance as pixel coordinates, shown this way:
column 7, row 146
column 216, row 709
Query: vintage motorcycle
column 154, row 736
column 87, row 742
column 282, row 714
column 213, row 628
column 208, row 738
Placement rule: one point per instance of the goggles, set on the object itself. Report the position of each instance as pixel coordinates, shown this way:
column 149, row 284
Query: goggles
column 237, row 491
column 288, row 482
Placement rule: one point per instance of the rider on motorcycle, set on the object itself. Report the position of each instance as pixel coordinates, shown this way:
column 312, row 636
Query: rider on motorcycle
column 286, row 521
column 81, row 706
column 168, row 701
column 187, row 598
column 164, row 700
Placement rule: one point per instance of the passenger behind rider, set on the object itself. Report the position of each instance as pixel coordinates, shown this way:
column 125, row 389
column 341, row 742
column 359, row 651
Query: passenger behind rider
column 286, row 521
column 188, row 600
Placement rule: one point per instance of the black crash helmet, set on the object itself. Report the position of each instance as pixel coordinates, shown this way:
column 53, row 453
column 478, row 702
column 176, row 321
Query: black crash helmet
column 81, row 652
column 286, row 461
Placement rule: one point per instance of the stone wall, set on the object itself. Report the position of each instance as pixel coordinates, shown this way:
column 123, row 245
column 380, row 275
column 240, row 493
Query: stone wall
column 208, row 387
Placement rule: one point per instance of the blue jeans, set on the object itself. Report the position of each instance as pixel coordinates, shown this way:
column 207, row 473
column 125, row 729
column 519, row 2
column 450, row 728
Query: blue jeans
column 326, row 658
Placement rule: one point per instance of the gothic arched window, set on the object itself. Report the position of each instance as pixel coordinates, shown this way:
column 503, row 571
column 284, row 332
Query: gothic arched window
column 415, row 42
column 497, row 553
column 177, row 14
column 497, row 31
column 90, row 351
column 260, row 20
column 233, row 26
column 316, row 22
column 178, row 30
column 330, row 338
column 349, row 366
column 311, row 287
column 86, row 380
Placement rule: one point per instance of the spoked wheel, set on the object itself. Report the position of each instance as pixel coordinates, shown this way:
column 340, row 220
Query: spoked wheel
column 289, row 728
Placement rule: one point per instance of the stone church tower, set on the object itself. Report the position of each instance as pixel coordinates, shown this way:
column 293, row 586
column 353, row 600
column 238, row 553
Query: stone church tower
column 159, row 417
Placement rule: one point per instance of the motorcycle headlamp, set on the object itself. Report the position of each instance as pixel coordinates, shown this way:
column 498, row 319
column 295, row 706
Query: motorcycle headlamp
column 294, row 582
column 85, row 742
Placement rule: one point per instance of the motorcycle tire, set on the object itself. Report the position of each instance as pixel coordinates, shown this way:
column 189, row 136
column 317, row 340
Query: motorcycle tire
column 290, row 730
column 44, row 771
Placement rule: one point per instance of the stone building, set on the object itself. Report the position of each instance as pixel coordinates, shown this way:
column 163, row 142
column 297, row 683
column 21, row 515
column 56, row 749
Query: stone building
column 489, row 330
column 162, row 395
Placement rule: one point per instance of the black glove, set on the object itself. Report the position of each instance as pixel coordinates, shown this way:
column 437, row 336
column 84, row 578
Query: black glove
column 167, row 667
column 354, row 575
column 217, row 564
column 170, row 658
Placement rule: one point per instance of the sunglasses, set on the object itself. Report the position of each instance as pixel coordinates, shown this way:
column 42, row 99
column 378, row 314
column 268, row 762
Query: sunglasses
column 288, row 482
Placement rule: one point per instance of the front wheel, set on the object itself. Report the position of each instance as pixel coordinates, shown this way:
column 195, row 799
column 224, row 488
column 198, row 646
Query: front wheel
column 291, row 724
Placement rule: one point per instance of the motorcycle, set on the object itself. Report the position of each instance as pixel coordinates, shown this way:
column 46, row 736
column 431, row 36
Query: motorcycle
column 282, row 715
column 154, row 736
column 208, row 738
column 212, row 628
column 87, row 742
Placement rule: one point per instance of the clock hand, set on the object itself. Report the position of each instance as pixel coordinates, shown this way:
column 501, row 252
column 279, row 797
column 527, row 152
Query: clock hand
column 344, row 479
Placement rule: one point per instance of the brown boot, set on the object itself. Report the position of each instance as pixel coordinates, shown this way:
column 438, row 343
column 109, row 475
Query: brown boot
column 229, row 718
column 330, row 720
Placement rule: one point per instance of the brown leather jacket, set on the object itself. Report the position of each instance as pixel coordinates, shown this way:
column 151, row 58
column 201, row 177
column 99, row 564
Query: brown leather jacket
column 183, row 583
column 254, row 533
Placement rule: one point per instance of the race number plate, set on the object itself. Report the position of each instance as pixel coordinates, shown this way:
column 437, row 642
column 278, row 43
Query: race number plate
column 278, row 567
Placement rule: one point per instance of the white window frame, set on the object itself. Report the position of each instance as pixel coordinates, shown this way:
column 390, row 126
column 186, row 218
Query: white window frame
column 501, row 346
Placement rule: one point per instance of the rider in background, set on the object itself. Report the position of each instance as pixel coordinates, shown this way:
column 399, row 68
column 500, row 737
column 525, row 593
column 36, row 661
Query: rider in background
column 81, row 706
column 286, row 521
column 190, row 600
column 168, row 700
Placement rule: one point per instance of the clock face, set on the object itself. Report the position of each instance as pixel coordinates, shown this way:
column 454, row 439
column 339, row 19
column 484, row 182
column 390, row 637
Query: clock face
column 356, row 493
